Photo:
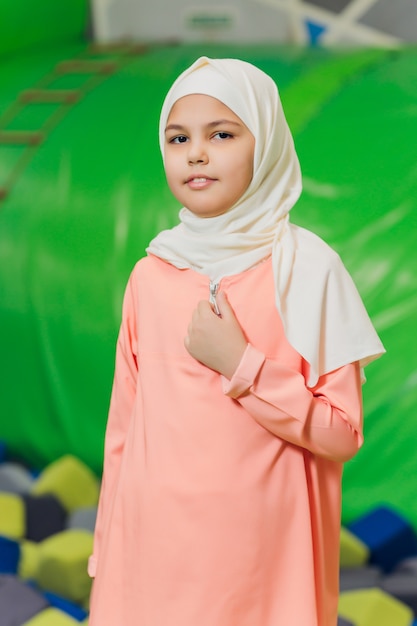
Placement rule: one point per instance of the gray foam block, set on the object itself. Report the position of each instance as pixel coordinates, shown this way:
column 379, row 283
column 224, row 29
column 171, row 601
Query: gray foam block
column 14, row 478
column 84, row 518
column 359, row 577
column 403, row 586
column 18, row 602
column 407, row 565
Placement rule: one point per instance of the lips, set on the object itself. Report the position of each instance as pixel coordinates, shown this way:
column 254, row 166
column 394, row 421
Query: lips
column 199, row 182
column 198, row 179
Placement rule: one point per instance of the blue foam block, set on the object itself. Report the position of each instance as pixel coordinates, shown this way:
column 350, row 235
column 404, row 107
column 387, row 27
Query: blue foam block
column 74, row 610
column 9, row 555
column 389, row 537
column 3, row 451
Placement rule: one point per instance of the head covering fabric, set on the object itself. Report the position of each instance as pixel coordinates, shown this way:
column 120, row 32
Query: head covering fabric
column 323, row 316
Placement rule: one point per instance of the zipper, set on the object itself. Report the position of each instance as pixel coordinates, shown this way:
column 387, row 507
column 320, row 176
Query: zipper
column 214, row 288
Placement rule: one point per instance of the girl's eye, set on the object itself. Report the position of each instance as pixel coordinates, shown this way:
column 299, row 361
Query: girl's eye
column 223, row 135
column 178, row 139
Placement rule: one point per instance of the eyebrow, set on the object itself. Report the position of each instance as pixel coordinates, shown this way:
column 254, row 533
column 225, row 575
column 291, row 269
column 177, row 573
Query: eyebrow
column 209, row 125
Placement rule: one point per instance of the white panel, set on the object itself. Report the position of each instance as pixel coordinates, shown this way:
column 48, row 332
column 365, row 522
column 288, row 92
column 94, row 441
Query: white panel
column 201, row 20
column 363, row 22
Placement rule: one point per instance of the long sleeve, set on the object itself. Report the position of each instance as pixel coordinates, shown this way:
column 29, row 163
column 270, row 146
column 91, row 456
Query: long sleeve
column 326, row 420
column 121, row 404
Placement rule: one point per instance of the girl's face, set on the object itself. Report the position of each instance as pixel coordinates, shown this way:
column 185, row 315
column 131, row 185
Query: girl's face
column 208, row 155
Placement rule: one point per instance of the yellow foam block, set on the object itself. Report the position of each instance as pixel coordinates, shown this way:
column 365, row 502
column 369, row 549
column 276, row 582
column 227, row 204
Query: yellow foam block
column 86, row 603
column 29, row 559
column 62, row 566
column 70, row 481
column 51, row 617
column 374, row 607
column 12, row 516
column 353, row 552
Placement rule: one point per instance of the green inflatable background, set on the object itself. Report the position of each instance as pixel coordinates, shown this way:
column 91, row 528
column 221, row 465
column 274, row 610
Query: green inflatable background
column 82, row 200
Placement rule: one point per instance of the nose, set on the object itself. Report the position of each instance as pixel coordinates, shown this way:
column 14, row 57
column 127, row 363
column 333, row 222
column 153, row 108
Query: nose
column 197, row 153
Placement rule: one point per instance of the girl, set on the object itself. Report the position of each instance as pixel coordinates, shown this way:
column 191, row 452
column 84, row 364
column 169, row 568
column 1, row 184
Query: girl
column 237, row 390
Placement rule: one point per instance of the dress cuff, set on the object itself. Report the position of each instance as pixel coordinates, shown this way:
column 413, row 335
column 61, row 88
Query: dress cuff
column 245, row 374
column 92, row 565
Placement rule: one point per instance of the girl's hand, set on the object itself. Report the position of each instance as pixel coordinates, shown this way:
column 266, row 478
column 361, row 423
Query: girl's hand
column 217, row 342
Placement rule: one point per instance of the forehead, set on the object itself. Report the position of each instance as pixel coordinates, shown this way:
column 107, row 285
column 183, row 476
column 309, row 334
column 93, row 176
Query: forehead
column 201, row 106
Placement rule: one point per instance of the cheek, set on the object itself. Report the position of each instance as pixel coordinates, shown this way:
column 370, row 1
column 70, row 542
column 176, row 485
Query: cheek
column 246, row 173
column 246, row 164
column 172, row 183
column 170, row 170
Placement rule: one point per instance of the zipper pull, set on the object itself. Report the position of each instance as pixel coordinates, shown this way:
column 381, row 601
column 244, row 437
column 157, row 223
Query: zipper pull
column 214, row 287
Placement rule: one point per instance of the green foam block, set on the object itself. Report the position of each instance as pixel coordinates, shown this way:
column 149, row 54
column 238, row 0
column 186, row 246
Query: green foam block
column 62, row 565
column 51, row 617
column 12, row 516
column 353, row 552
column 70, row 481
column 29, row 559
column 374, row 607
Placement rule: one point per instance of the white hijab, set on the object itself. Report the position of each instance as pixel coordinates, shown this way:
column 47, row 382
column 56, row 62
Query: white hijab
column 323, row 316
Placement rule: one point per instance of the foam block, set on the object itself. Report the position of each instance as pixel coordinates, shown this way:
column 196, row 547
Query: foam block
column 29, row 560
column 18, row 601
column 9, row 555
column 14, row 478
column 74, row 610
column 360, row 577
column 12, row 516
column 407, row 565
column 45, row 516
column 62, row 567
column 389, row 537
column 51, row 617
column 353, row 551
column 84, row 518
column 374, row 607
column 71, row 481
column 3, row 451
column 341, row 621
column 403, row 586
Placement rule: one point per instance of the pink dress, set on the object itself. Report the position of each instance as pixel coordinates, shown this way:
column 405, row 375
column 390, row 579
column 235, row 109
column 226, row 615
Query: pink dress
column 220, row 503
